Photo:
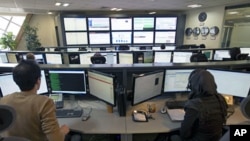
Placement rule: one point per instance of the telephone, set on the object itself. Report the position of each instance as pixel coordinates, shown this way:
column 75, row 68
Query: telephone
column 139, row 116
column 58, row 100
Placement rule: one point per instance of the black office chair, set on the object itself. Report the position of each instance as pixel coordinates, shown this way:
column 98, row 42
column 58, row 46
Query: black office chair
column 7, row 116
column 98, row 60
column 198, row 57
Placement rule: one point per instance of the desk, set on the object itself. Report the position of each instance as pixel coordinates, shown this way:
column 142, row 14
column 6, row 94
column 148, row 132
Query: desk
column 102, row 122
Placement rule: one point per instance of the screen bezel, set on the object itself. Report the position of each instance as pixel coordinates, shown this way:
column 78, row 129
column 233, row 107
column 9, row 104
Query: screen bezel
column 136, row 76
column 113, row 103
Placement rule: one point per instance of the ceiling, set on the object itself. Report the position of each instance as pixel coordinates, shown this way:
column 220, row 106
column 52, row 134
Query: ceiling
column 43, row 6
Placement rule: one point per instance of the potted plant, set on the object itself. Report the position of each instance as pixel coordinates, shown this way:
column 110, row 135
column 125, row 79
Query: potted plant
column 32, row 41
column 8, row 41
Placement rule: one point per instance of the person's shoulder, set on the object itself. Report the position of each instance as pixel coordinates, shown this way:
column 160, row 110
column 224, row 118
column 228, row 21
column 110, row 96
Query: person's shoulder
column 195, row 103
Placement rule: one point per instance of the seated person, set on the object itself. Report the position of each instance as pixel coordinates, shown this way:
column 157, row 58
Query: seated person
column 233, row 52
column 30, row 56
column 198, row 57
column 205, row 111
column 36, row 117
column 97, row 58
column 163, row 46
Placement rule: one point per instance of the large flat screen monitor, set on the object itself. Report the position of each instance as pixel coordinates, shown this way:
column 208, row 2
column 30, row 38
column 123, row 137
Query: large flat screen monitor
column 125, row 58
column 85, row 58
column 101, row 38
column 96, row 24
column 102, row 86
column 143, row 23
column 3, row 57
column 53, row 58
column 75, row 24
column 12, row 87
column 163, row 37
column 121, row 37
column 143, row 37
column 245, row 50
column 162, row 57
column 12, row 57
column 147, row 86
column 176, row 80
column 181, row 57
column 220, row 54
column 166, row 23
column 76, row 38
column 121, row 23
column 67, row 81
column 231, row 82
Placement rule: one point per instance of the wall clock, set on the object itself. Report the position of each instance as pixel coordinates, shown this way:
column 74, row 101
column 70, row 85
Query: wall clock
column 196, row 31
column 202, row 16
column 204, row 31
column 214, row 30
column 188, row 31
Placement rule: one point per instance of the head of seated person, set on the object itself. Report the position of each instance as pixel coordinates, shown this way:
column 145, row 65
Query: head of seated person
column 97, row 58
column 202, row 46
column 163, row 46
column 233, row 52
column 30, row 56
column 198, row 57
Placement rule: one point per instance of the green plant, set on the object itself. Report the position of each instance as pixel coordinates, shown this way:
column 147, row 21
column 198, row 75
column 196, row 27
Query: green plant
column 32, row 41
column 8, row 41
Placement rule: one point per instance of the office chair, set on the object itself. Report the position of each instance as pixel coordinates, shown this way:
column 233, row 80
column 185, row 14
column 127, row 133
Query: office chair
column 98, row 59
column 198, row 57
column 7, row 116
column 242, row 56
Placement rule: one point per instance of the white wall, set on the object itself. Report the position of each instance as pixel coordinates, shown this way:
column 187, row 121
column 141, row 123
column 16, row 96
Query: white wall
column 215, row 17
column 46, row 31
column 240, row 35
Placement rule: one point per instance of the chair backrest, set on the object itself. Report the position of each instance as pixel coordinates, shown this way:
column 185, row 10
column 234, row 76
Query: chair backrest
column 245, row 107
column 198, row 57
column 98, row 60
column 242, row 56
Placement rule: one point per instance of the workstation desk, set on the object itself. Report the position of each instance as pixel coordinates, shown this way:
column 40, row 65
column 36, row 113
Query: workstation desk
column 103, row 122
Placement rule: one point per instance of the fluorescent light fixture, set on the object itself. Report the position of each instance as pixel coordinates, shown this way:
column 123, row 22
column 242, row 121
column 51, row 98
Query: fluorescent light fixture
column 194, row 5
column 50, row 13
column 118, row 9
column 113, row 9
column 233, row 12
column 58, row 4
column 66, row 4
column 248, row 16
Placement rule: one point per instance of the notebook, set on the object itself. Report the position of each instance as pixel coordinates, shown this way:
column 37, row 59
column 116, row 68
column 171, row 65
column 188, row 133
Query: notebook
column 176, row 114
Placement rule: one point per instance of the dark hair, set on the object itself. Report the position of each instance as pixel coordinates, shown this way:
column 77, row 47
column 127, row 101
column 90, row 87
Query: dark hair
column 26, row 74
column 234, row 52
column 30, row 56
column 163, row 46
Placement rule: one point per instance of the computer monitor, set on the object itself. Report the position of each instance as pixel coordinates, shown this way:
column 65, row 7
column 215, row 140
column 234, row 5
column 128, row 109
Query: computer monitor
column 40, row 59
column 99, row 38
column 98, row 23
column 121, row 38
column 181, row 57
column 143, row 37
column 176, row 80
column 102, row 86
column 8, row 85
column 166, row 23
column 85, row 57
column 232, row 82
column 67, row 81
column 208, row 53
column 53, row 58
column 124, row 23
column 74, row 58
column 111, row 57
column 3, row 57
column 245, row 50
column 76, row 38
column 220, row 54
column 148, row 56
column 147, row 86
column 165, row 37
column 162, row 57
column 143, row 23
column 125, row 58
column 12, row 57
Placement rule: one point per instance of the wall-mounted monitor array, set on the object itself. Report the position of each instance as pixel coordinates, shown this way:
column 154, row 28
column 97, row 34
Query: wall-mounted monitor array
column 102, row 86
column 97, row 31
column 231, row 82
column 147, row 86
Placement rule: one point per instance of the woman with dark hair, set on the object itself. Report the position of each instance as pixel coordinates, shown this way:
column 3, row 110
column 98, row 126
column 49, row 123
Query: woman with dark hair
column 205, row 111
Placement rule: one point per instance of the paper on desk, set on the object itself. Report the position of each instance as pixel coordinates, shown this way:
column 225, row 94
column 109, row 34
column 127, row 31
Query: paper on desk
column 176, row 114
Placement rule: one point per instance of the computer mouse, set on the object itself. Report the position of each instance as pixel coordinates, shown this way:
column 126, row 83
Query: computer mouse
column 164, row 110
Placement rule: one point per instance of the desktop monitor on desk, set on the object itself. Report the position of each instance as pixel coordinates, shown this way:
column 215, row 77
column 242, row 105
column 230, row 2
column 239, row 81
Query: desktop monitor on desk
column 221, row 54
column 3, row 57
column 245, row 50
column 12, row 57
column 102, row 86
column 8, row 85
column 147, row 86
column 85, row 57
column 67, row 81
column 176, row 80
column 232, row 82
column 53, row 58
column 162, row 57
column 125, row 58
column 182, row 57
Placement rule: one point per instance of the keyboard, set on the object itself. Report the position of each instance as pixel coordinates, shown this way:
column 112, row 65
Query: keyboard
column 68, row 113
column 176, row 104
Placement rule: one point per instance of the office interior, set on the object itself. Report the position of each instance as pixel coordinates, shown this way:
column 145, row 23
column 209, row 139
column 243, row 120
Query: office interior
column 53, row 35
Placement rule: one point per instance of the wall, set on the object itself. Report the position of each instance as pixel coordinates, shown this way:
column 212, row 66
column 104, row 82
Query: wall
column 240, row 35
column 46, row 31
column 215, row 17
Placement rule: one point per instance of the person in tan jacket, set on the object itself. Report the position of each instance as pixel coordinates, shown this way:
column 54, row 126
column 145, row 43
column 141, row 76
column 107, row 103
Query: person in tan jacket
column 36, row 119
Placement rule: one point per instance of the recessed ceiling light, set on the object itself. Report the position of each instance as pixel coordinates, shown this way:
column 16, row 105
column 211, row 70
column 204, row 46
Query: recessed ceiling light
column 50, row 13
column 194, row 5
column 151, row 13
column 113, row 9
column 248, row 16
column 118, row 9
column 66, row 4
column 58, row 4
column 233, row 12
